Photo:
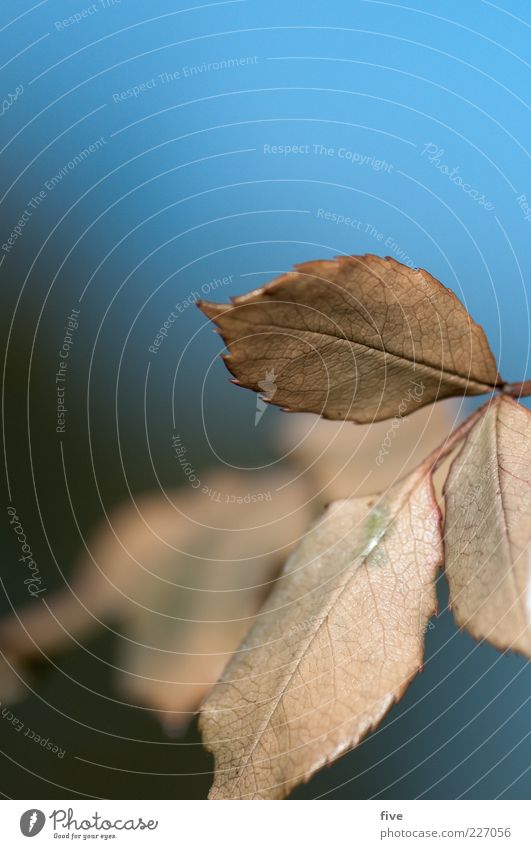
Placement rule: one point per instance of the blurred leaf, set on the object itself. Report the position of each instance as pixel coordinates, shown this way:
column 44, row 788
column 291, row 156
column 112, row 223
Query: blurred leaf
column 360, row 338
column 488, row 528
column 180, row 582
column 186, row 622
column 338, row 642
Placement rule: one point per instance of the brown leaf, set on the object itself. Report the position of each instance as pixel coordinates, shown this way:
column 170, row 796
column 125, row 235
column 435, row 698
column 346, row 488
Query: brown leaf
column 338, row 642
column 488, row 528
column 360, row 338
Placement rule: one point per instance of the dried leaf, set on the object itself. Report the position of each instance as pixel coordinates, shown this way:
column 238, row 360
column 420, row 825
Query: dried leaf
column 488, row 528
column 338, row 642
column 360, row 338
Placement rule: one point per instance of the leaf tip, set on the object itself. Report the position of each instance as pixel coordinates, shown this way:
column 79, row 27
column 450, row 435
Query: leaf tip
column 211, row 310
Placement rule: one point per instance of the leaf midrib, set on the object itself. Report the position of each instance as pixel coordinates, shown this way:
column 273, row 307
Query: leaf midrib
column 415, row 362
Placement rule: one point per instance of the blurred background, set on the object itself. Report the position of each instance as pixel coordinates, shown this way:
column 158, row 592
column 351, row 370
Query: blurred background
column 154, row 155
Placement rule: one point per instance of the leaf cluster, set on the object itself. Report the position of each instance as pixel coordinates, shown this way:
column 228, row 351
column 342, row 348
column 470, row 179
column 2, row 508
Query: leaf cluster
column 341, row 636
